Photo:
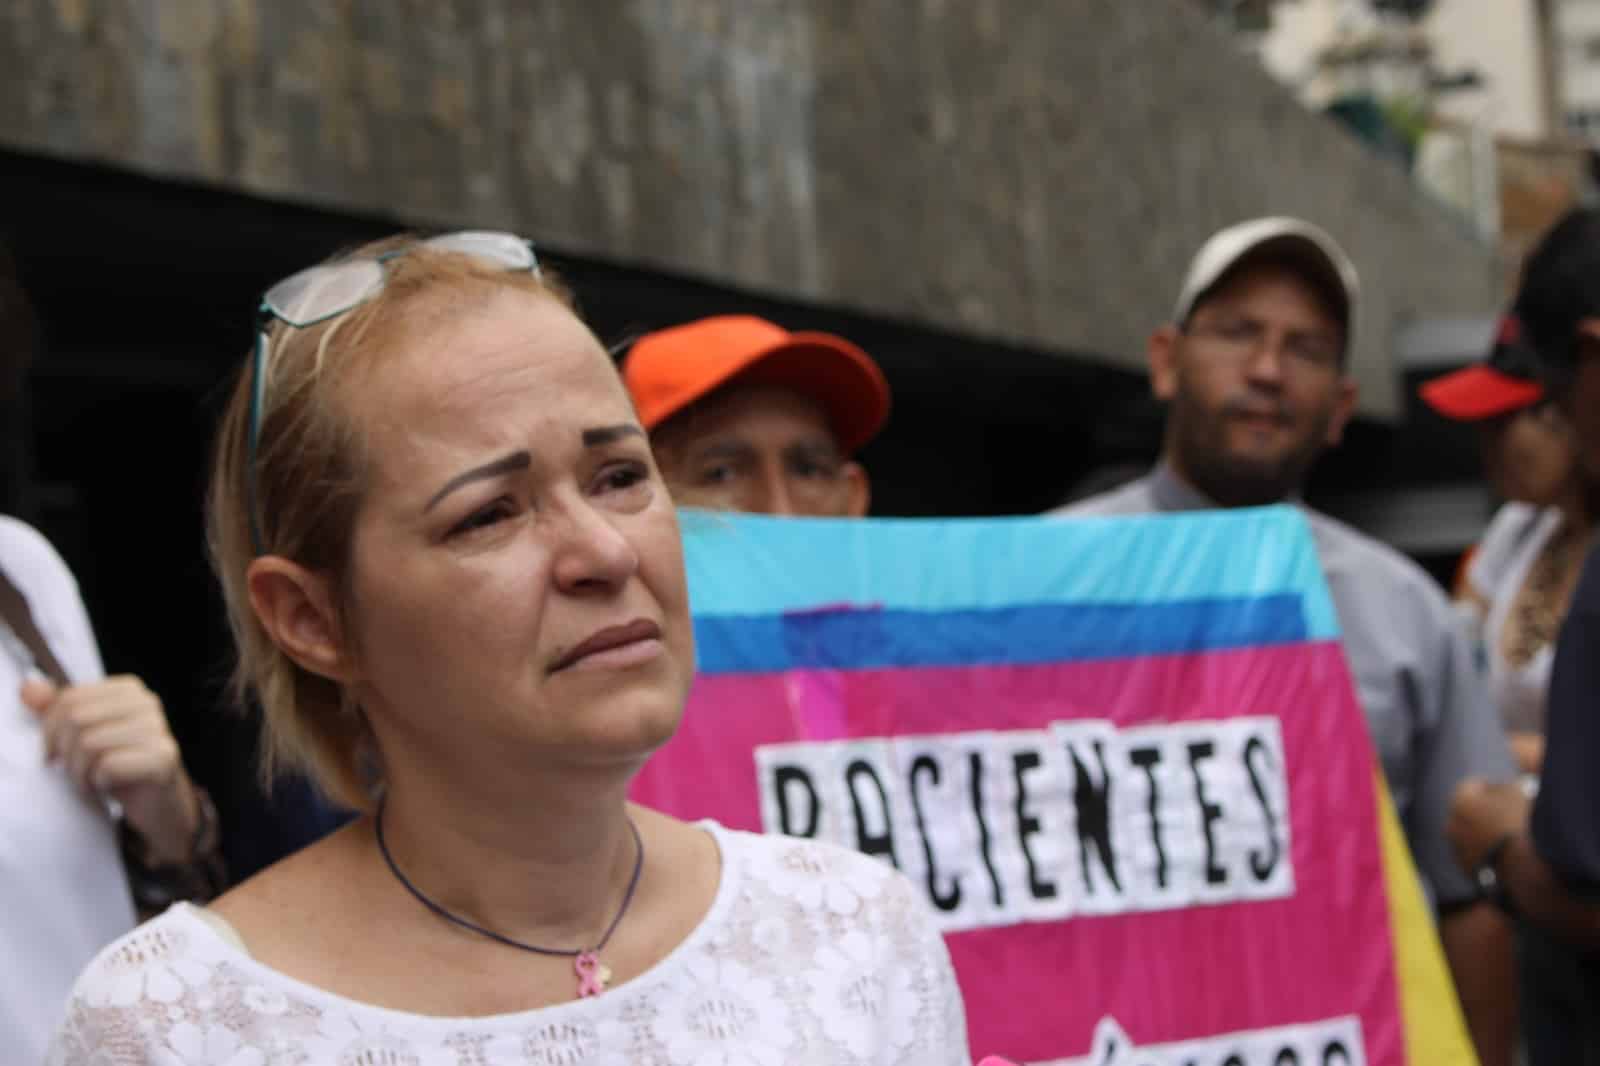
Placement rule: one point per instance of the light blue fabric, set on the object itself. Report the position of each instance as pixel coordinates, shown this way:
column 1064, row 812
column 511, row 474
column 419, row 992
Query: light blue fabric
column 753, row 565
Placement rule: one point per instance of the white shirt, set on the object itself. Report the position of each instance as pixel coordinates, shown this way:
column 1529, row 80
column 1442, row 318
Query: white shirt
column 1514, row 539
column 810, row 954
column 63, row 893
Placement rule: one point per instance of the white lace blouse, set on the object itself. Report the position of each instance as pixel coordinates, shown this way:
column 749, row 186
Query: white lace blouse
column 809, row 954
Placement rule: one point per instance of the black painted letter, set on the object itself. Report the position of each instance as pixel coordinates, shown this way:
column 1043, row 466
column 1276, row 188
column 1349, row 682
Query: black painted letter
column 975, row 766
column 1209, row 812
column 1261, row 866
column 1094, row 816
column 946, row 901
column 870, row 843
column 1027, row 824
column 1147, row 759
column 781, row 779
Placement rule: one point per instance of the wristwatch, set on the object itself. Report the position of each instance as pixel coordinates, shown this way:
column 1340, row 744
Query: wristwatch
column 1487, row 874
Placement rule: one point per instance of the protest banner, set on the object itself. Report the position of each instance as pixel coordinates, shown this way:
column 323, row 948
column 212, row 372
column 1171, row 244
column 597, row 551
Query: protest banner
column 1122, row 758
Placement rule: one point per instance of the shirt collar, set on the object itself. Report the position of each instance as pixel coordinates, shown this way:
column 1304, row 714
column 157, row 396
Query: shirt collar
column 1172, row 493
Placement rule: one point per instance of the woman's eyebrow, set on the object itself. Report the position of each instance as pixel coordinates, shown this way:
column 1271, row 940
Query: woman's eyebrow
column 594, row 438
column 521, row 460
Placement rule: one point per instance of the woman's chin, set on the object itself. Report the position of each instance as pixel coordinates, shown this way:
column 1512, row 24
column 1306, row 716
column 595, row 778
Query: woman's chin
column 632, row 731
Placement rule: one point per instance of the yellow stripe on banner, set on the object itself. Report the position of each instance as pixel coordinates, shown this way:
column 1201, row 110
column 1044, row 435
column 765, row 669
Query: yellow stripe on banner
column 1436, row 1031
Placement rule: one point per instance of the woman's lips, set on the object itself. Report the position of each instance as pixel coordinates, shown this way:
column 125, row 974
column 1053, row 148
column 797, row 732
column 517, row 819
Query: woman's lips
column 613, row 647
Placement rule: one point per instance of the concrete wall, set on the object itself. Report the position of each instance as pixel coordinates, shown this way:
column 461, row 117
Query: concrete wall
column 1029, row 170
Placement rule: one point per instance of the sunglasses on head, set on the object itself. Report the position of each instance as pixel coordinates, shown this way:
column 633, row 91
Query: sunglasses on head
column 321, row 293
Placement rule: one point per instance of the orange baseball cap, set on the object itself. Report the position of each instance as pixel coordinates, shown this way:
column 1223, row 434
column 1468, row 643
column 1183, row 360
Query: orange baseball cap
column 670, row 369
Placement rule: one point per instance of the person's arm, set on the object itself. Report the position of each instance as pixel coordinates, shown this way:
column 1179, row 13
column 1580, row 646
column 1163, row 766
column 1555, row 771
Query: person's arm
column 111, row 737
column 1539, row 893
column 1489, row 826
column 1481, row 953
column 1545, row 855
column 1528, row 750
column 1463, row 738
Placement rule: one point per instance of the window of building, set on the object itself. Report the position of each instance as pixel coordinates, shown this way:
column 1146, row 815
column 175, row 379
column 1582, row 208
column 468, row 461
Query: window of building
column 1584, row 122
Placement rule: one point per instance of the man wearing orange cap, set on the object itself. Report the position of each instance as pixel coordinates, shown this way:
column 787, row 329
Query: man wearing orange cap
column 744, row 415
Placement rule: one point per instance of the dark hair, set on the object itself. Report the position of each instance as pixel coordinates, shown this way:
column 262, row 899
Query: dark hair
column 19, row 329
column 1560, row 288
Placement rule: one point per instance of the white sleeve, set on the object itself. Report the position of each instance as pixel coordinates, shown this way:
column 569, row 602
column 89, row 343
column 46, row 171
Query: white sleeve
column 932, row 999
column 1512, row 524
column 86, row 1030
column 41, row 575
column 949, row 1015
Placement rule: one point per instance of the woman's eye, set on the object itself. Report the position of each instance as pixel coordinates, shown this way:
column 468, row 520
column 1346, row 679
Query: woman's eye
column 618, row 478
column 483, row 518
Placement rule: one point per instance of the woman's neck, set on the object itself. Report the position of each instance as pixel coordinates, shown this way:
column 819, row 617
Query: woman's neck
column 547, row 866
column 1580, row 507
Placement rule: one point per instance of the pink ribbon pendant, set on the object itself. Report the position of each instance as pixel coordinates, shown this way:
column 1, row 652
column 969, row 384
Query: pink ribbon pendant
column 592, row 975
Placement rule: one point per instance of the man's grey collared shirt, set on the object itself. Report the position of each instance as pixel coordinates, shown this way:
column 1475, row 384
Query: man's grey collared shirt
column 1426, row 702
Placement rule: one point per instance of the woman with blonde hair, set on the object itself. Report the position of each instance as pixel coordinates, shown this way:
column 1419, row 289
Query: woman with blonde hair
column 457, row 587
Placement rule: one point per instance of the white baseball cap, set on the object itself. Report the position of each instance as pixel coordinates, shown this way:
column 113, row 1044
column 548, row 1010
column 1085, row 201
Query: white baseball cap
column 1308, row 246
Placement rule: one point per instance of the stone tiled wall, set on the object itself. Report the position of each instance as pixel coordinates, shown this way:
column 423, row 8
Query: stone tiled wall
column 1030, row 170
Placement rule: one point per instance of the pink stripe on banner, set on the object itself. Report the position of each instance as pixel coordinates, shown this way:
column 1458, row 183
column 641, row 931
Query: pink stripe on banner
column 1036, row 991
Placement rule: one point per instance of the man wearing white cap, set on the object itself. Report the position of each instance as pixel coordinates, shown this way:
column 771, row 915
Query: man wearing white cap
column 1253, row 371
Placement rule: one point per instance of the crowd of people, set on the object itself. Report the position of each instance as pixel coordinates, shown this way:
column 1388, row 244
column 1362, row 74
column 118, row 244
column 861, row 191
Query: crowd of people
column 457, row 593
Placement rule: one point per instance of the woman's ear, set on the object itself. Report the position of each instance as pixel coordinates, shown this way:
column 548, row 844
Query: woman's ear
column 296, row 607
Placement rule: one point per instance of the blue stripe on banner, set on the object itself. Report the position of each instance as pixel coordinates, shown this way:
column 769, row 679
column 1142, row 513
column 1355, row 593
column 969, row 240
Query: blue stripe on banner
column 752, row 565
column 867, row 639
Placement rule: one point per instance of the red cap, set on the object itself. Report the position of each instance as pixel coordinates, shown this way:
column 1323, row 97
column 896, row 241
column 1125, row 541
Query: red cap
column 1504, row 383
column 670, row 369
column 1478, row 392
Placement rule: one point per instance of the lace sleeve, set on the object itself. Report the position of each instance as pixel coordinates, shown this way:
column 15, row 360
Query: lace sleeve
column 137, row 1002
column 81, row 1036
column 941, row 1021
column 853, row 950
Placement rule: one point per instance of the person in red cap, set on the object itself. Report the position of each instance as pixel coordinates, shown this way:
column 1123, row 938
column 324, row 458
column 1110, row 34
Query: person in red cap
column 1539, row 857
column 744, row 415
column 1517, row 581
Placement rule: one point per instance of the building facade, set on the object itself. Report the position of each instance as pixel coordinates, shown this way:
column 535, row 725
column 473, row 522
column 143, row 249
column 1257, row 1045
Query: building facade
column 1032, row 173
